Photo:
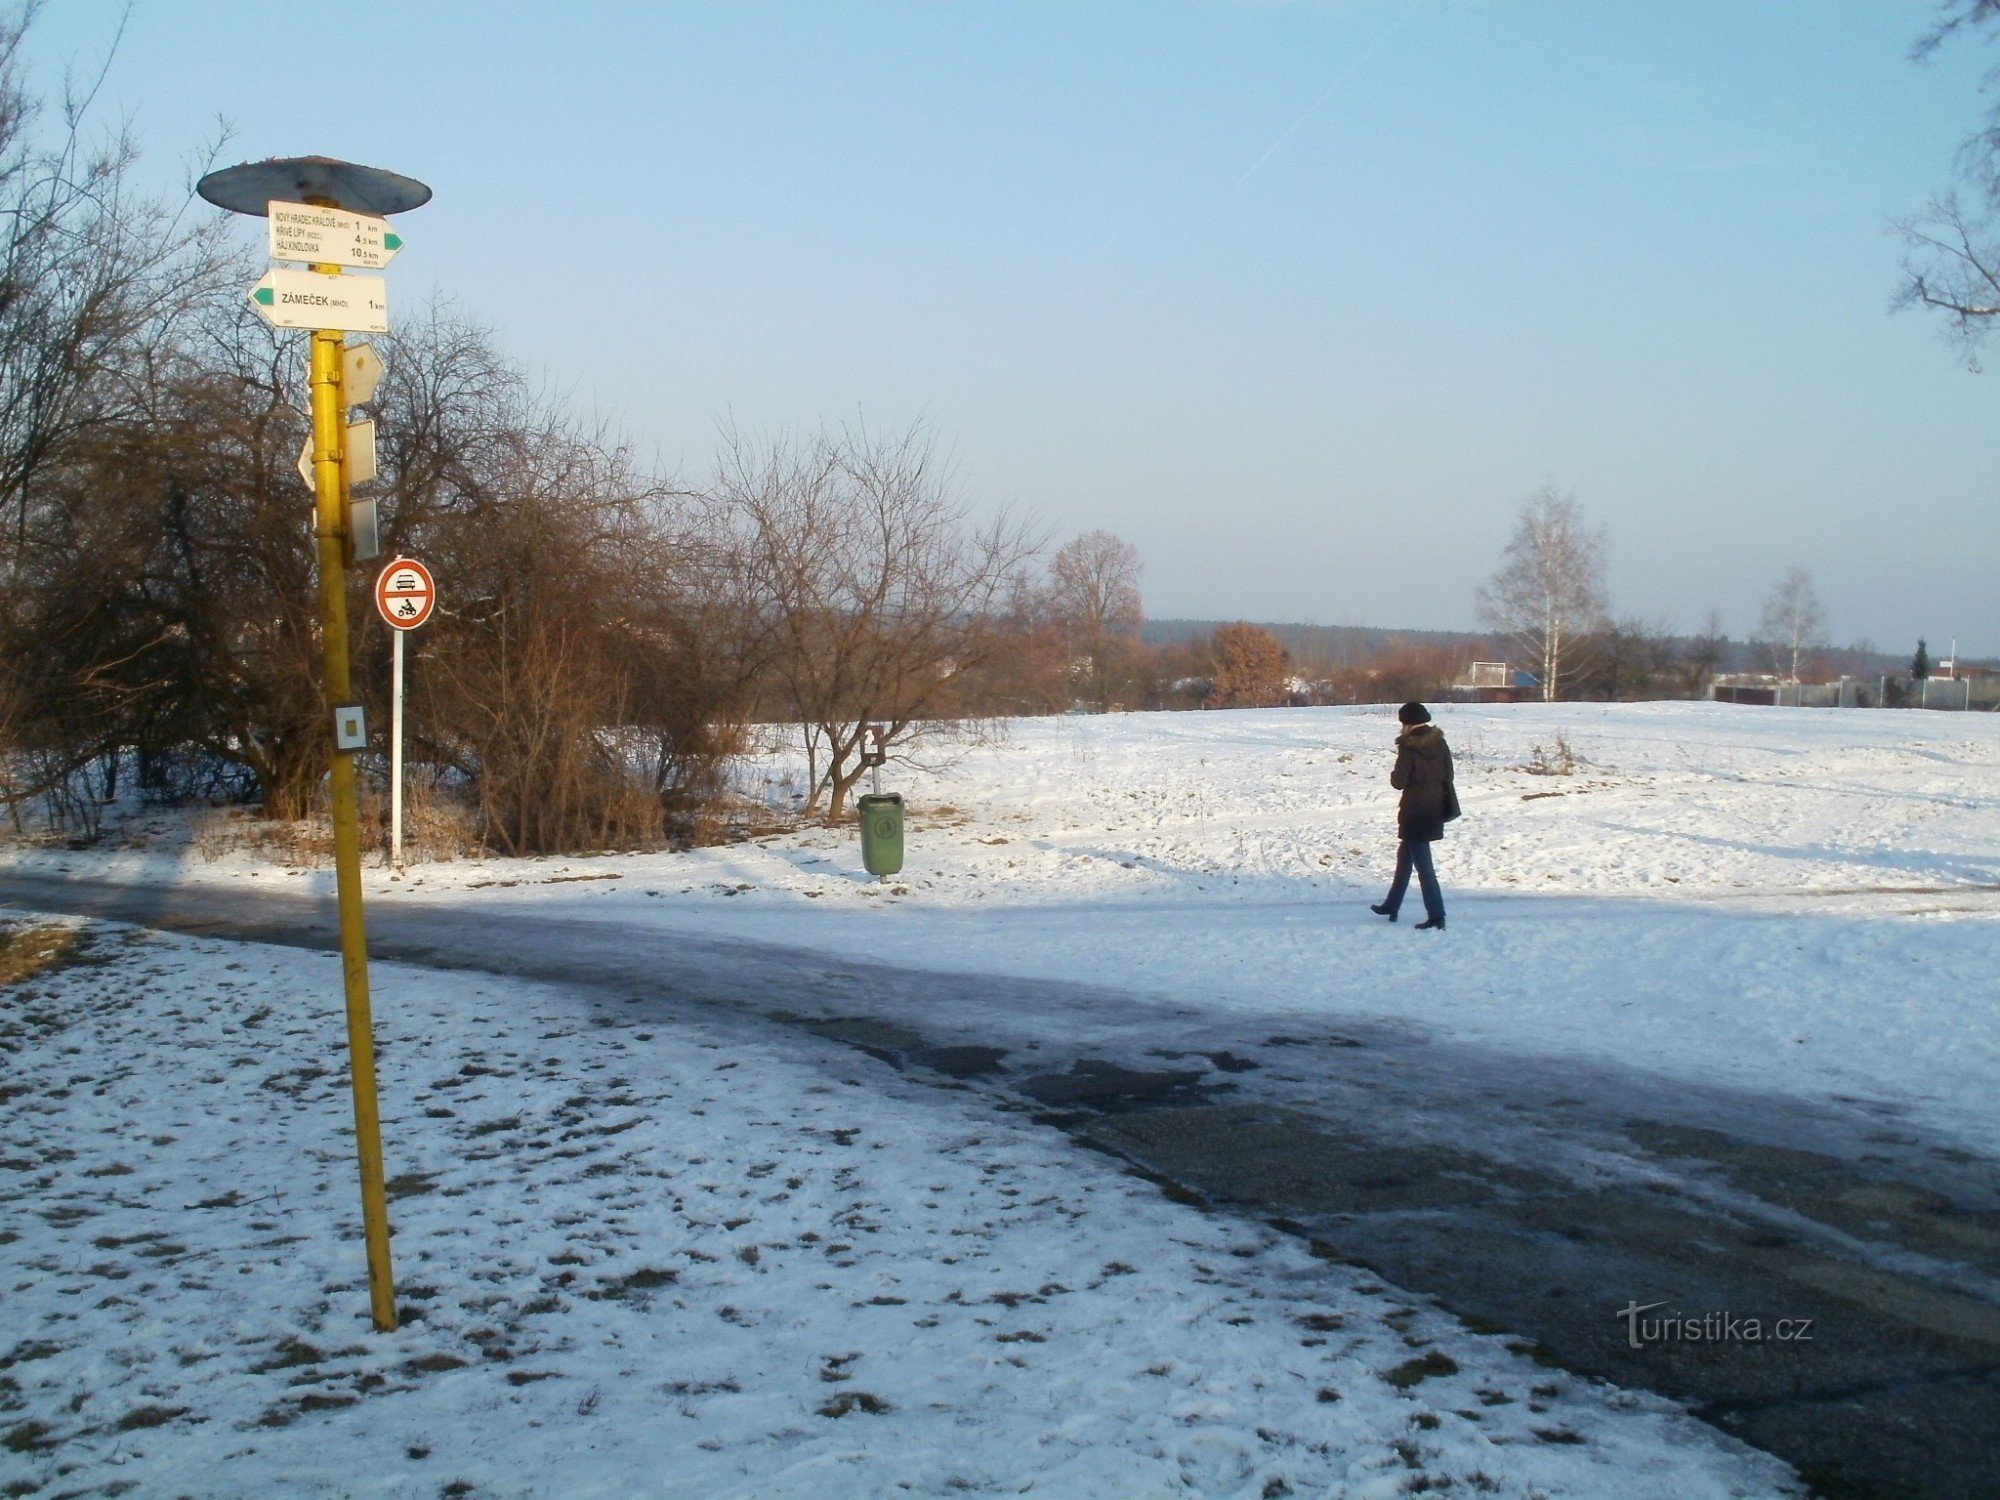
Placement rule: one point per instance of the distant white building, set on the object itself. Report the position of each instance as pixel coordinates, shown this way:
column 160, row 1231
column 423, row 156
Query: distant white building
column 1493, row 682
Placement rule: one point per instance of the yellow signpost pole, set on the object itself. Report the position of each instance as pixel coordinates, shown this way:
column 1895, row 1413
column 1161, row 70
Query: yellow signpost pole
column 329, row 419
column 344, row 229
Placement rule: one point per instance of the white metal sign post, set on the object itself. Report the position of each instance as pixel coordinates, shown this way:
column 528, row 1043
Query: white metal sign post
column 405, row 595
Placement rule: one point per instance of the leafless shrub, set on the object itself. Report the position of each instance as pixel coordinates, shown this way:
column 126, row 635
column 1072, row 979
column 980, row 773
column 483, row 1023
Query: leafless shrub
column 439, row 826
column 1557, row 761
column 1399, row 672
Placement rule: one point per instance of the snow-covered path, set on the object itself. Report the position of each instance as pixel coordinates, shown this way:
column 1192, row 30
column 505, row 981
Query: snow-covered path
column 647, row 1258
column 1349, row 1128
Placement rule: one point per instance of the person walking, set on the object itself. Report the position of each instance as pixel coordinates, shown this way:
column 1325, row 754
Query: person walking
column 1423, row 776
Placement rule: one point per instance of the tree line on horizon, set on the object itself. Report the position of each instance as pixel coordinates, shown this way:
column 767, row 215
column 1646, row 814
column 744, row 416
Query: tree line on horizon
column 1549, row 602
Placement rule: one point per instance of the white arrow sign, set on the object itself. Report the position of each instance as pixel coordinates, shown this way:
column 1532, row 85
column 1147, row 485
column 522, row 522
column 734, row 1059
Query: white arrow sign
column 331, row 236
column 360, row 456
column 311, row 299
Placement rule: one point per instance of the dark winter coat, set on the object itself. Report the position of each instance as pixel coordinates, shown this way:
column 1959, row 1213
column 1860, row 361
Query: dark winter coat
column 1423, row 776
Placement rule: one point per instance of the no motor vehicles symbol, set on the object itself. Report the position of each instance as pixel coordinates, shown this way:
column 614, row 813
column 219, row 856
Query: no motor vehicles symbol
column 405, row 593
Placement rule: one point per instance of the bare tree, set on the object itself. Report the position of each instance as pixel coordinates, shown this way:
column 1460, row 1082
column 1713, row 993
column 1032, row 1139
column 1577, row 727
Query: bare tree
column 94, row 278
column 581, row 676
column 1953, row 261
column 875, row 593
column 156, row 558
column 1794, row 622
column 95, row 283
column 1626, row 660
column 1093, row 594
column 196, row 626
column 1248, row 667
column 1549, row 592
column 1702, row 655
column 1954, row 269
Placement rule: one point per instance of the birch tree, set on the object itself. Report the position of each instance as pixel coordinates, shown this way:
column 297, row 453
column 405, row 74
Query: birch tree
column 1549, row 592
column 1794, row 622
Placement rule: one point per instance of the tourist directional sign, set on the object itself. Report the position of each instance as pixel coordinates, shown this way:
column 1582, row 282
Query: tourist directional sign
column 331, row 236
column 309, row 299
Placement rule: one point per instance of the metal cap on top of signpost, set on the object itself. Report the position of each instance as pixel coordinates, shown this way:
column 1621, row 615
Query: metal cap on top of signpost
column 252, row 186
column 326, row 214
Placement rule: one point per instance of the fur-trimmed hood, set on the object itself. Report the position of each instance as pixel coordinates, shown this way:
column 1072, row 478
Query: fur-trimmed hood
column 1425, row 739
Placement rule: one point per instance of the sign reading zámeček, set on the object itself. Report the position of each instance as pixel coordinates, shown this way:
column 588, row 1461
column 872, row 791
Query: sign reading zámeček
column 312, row 299
column 331, row 236
column 405, row 595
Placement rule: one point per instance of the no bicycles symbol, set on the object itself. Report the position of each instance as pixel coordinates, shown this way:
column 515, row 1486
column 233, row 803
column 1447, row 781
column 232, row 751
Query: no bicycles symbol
column 405, row 593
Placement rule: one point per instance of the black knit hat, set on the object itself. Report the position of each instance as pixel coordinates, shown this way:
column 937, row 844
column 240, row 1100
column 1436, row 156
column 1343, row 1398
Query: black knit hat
column 1413, row 713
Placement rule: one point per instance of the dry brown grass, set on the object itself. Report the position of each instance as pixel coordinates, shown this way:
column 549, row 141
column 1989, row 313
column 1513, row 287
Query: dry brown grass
column 736, row 820
column 306, row 842
column 27, row 951
column 437, row 828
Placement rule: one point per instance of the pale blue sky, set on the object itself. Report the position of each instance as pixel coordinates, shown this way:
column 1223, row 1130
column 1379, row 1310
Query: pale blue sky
column 1302, row 299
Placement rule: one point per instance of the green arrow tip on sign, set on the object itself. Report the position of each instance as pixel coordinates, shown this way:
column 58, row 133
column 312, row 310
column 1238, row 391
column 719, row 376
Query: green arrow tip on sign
column 392, row 241
column 264, row 295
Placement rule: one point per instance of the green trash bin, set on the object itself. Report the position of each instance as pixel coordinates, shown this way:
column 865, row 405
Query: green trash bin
column 882, row 832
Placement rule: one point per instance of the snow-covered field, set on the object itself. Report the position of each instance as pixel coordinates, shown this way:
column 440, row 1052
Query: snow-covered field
column 1792, row 900
column 1795, row 902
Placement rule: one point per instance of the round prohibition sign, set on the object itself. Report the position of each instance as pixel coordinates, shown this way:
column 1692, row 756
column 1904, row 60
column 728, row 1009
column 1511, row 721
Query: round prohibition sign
column 405, row 593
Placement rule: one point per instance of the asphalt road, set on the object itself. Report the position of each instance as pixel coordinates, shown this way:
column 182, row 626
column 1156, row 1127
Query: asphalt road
column 1540, row 1197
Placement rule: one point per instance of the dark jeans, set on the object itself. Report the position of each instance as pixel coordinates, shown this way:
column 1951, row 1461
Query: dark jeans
column 1415, row 852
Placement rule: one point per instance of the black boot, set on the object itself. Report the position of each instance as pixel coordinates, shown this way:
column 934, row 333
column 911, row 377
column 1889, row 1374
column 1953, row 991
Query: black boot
column 1430, row 922
column 1384, row 910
